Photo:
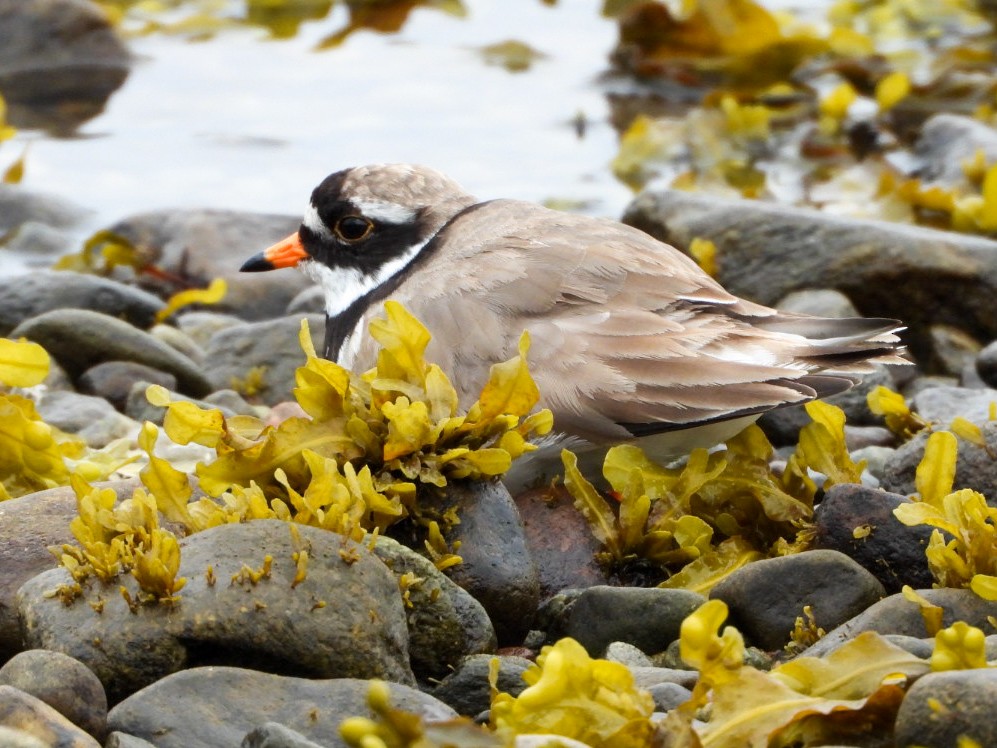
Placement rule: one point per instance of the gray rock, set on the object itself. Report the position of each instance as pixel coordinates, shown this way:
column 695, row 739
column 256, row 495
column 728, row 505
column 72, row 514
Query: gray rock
column 230, row 401
column 783, row 425
column 138, row 407
column 28, row 714
column 218, row 706
column 19, row 206
column 124, row 740
column 60, row 60
column 497, row 569
column 766, row 597
column 627, row 654
column 467, row 690
column 952, row 350
column 41, row 242
column 276, row 735
column 896, row 615
column 14, row 738
column 941, row 709
column 922, row 648
column 79, row 339
column 178, row 341
column 200, row 326
column 875, row 459
column 445, row 624
column 986, row 364
column 93, row 419
column 975, row 467
column 206, row 244
column 765, row 251
column 667, row 696
column 113, row 380
column 345, row 619
column 309, row 301
column 272, row 344
column 65, row 684
column 647, row 618
column 891, row 551
column 946, row 141
column 940, row 405
column 25, row 296
column 818, row 302
column 28, row 526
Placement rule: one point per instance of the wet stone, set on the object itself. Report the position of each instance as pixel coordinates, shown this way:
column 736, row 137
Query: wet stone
column 93, row 419
column 884, row 546
column 113, row 380
column 65, row 684
column 766, row 597
column 466, row 689
column 29, row 714
column 942, row 709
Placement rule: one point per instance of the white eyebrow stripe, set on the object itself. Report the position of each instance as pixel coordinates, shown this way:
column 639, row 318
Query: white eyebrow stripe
column 313, row 222
column 379, row 210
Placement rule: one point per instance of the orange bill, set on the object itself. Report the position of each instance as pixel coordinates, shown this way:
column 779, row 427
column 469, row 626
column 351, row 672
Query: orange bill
column 286, row 253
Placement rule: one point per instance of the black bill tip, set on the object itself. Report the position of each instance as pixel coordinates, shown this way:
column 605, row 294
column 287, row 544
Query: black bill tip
column 257, row 264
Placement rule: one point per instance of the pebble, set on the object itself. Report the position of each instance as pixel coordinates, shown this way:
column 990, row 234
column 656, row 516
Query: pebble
column 113, row 380
column 941, row 709
column 467, row 690
column 93, row 419
column 33, row 716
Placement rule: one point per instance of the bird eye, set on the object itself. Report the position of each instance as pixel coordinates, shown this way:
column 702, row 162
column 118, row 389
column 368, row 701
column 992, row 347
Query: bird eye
column 353, row 228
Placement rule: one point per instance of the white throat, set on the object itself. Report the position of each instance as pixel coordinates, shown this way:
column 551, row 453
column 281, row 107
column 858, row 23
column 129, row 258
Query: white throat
column 343, row 286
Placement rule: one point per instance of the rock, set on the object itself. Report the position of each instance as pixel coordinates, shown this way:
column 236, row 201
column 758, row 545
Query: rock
column 952, row 350
column 28, row 714
column 944, row 709
column 922, row 648
column 230, row 401
column 445, row 623
column 766, row 251
column 667, row 696
column 945, row 142
column 891, row 551
column 649, row 619
column 28, row 526
column 875, row 459
column 766, row 597
column 113, row 380
column 986, row 364
column 310, row 301
column 783, row 425
column 13, row 738
column 497, row 569
column 93, row 419
column 627, row 654
column 466, row 689
column 217, row 706
column 818, row 302
column 941, row 404
column 203, row 244
column 897, row 615
column 124, row 740
column 272, row 345
column 79, row 339
column 275, row 735
column 39, row 243
column 59, row 62
column 559, row 540
column 975, row 467
column 65, row 684
column 200, row 326
column 25, row 296
column 178, row 341
column 344, row 620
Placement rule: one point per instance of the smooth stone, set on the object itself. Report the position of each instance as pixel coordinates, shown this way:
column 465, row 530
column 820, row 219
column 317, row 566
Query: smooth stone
column 24, row 712
column 875, row 459
column 124, row 740
column 207, row 244
column 178, row 341
column 766, row 597
column 138, row 407
column 467, row 691
column 986, row 364
column 65, row 684
column 559, row 540
column 200, row 326
column 218, row 706
column 230, row 401
column 345, row 619
column 14, row 738
column 497, row 568
column 272, row 345
column 79, row 339
column 942, row 709
column 766, row 251
column 648, row 618
column 43, row 242
column 445, row 624
column 667, row 696
column 783, row 425
column 60, row 60
column 276, row 735
column 897, row 615
column 627, row 654
column 975, row 467
column 19, row 206
column 28, row 526
column 25, row 296
column 891, row 551
column 818, row 302
column 113, row 380
column 942, row 404
column 922, row 648
column 952, row 350
column 946, row 141
column 310, row 301
column 93, row 419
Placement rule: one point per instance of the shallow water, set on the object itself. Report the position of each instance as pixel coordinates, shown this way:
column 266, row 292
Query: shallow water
column 246, row 122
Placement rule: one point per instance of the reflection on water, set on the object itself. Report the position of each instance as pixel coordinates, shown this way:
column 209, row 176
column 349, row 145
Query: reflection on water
column 248, row 122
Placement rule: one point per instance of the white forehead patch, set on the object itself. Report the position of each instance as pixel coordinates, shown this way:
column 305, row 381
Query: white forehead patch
column 378, row 210
column 342, row 286
column 313, row 222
